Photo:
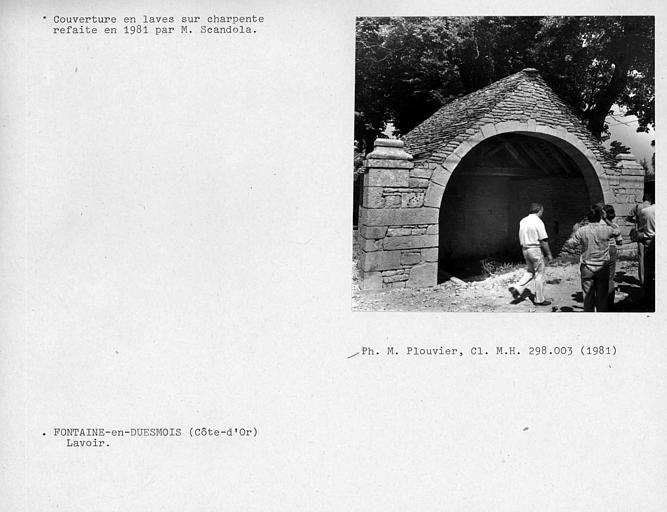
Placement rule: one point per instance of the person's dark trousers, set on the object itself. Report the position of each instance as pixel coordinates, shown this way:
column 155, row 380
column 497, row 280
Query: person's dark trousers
column 595, row 287
column 649, row 276
column 641, row 263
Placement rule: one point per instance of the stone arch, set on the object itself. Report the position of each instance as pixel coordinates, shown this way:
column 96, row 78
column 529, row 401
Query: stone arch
column 399, row 235
column 593, row 172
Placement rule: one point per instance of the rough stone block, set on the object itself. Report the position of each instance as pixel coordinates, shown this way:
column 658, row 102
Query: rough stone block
column 463, row 149
column 369, row 245
column 386, row 178
column 623, row 209
column 389, row 149
column 451, row 162
column 410, row 258
column 399, row 231
column 633, row 171
column 393, row 200
column 380, row 260
column 634, row 181
column 373, row 231
column 410, row 242
column 418, row 182
column 509, row 126
column 488, row 130
column 371, row 281
column 412, row 200
column 430, row 255
column 441, row 176
column 434, row 229
column 372, row 197
column 548, row 130
column 392, row 272
column 397, row 216
column 423, row 275
column 434, row 195
column 573, row 139
column 399, row 284
column 475, row 138
column 377, row 163
column 395, row 278
column 420, row 172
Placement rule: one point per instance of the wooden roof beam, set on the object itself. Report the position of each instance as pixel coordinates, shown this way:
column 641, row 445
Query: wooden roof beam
column 536, row 160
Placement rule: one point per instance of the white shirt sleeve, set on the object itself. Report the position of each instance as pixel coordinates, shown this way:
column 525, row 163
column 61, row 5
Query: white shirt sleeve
column 541, row 231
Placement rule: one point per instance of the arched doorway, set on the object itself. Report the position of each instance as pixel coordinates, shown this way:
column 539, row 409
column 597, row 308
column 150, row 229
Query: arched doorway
column 491, row 188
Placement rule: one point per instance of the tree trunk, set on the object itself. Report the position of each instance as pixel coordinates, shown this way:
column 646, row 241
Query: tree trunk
column 607, row 98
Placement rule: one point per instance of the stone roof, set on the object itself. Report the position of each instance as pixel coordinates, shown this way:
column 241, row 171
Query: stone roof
column 520, row 97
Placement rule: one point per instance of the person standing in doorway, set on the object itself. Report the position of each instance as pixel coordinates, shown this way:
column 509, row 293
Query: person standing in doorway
column 595, row 262
column 535, row 247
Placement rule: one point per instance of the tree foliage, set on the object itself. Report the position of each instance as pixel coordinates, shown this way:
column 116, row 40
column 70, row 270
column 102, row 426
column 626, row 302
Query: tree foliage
column 408, row 67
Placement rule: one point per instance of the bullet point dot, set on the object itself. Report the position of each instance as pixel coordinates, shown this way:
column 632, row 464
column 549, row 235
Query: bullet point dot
column 44, row 17
column 43, row 433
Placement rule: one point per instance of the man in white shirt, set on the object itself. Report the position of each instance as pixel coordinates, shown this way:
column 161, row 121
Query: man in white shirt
column 535, row 246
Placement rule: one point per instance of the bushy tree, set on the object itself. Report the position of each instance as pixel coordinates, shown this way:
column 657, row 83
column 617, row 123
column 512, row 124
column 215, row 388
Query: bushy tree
column 408, row 67
column 594, row 62
column 404, row 73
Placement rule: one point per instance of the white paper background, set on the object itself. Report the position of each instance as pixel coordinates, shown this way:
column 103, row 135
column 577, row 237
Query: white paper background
column 176, row 251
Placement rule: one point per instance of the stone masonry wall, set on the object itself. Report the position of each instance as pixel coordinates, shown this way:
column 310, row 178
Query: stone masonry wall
column 399, row 215
column 480, row 214
column 398, row 232
column 627, row 183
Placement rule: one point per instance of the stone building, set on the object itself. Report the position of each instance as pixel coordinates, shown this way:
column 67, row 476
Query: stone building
column 457, row 185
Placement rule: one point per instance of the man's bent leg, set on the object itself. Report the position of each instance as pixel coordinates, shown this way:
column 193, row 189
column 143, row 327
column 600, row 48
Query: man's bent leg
column 536, row 262
column 528, row 275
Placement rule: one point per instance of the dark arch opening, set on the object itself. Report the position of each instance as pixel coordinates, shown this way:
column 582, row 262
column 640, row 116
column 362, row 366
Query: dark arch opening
column 491, row 190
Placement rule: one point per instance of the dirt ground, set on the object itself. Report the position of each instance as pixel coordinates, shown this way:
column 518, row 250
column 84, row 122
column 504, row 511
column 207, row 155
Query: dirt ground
column 563, row 288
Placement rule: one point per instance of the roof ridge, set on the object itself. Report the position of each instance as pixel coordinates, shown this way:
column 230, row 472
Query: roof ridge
column 529, row 72
column 452, row 119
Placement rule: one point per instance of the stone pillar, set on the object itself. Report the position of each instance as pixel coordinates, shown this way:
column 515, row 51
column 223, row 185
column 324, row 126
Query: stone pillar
column 628, row 191
column 630, row 188
column 398, row 235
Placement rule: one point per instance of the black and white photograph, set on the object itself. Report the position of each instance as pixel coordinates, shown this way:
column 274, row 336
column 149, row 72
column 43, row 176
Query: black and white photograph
column 186, row 324
column 504, row 164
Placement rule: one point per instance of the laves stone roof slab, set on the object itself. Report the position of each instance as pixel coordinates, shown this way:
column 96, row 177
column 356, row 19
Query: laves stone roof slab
column 522, row 97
